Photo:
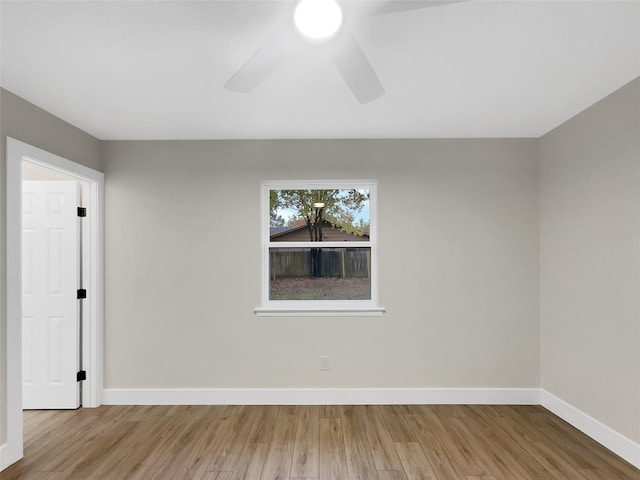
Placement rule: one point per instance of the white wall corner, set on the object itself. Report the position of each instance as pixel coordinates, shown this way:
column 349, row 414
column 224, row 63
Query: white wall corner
column 601, row 433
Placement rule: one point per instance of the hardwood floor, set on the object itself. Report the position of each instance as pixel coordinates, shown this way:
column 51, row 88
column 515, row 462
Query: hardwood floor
column 395, row 442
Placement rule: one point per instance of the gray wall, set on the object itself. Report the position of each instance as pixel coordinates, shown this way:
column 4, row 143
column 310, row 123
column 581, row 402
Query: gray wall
column 26, row 122
column 184, row 266
column 590, row 261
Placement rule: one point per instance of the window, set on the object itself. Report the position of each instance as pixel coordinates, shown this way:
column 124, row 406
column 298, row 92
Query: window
column 319, row 248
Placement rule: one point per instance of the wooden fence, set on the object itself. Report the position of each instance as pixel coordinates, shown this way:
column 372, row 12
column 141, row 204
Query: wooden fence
column 334, row 262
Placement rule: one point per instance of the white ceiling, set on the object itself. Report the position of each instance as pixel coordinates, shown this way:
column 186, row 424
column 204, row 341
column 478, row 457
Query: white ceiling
column 156, row 69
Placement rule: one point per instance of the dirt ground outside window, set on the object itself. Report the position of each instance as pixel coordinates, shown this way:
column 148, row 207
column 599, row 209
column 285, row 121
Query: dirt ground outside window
column 324, row 288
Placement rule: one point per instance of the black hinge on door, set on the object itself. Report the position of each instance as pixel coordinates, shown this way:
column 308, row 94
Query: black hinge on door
column 82, row 212
column 82, row 293
column 81, row 375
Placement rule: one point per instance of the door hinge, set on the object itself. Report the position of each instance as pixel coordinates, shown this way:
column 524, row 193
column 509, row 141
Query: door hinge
column 81, row 375
column 82, row 293
column 82, row 211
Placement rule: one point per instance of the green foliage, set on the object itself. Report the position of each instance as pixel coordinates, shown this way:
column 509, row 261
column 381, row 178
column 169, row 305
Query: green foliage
column 276, row 220
column 340, row 208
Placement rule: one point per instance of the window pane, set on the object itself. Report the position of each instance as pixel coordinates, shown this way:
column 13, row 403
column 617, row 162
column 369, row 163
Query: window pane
column 319, row 215
column 320, row 273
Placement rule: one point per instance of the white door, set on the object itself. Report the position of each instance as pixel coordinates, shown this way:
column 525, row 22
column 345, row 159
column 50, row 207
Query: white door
column 50, row 308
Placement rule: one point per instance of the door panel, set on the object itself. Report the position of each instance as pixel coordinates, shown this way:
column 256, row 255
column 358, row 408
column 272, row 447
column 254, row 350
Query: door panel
column 50, row 309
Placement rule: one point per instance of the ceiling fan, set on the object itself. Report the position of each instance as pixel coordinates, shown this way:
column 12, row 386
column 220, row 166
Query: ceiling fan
column 333, row 34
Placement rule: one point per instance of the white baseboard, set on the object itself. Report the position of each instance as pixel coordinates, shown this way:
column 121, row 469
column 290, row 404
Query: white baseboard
column 8, row 457
column 4, row 462
column 322, row 396
column 606, row 436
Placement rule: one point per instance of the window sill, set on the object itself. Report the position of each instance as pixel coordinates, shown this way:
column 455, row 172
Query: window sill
column 319, row 312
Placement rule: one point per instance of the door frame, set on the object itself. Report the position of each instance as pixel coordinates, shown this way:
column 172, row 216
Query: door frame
column 93, row 277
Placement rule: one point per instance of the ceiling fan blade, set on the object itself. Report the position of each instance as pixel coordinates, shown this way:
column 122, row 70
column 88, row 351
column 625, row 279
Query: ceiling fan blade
column 355, row 68
column 259, row 66
column 396, row 6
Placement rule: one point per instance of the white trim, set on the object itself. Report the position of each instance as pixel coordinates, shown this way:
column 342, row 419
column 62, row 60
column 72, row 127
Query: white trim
column 322, row 396
column 354, row 244
column 319, row 312
column 93, row 360
column 12, row 450
column 6, row 457
column 606, row 436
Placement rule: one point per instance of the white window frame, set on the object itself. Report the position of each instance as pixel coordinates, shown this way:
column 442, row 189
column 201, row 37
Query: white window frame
column 319, row 307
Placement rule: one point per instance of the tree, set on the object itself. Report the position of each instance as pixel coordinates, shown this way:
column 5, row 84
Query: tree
column 276, row 220
column 338, row 207
column 363, row 226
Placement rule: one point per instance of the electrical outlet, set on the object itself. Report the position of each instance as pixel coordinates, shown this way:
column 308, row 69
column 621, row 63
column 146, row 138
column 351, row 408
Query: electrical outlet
column 324, row 364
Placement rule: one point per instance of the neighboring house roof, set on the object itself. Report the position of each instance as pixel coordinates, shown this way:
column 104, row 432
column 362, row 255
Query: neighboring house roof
column 278, row 230
column 279, row 233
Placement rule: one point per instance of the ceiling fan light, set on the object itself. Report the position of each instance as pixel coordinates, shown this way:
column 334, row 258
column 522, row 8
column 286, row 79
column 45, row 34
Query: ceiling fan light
column 318, row 19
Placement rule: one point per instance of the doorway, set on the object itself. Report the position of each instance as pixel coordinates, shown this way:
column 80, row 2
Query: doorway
column 11, row 430
column 52, row 307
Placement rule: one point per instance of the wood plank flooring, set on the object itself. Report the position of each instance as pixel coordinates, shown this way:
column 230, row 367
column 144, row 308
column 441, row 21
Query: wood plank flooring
column 371, row 442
